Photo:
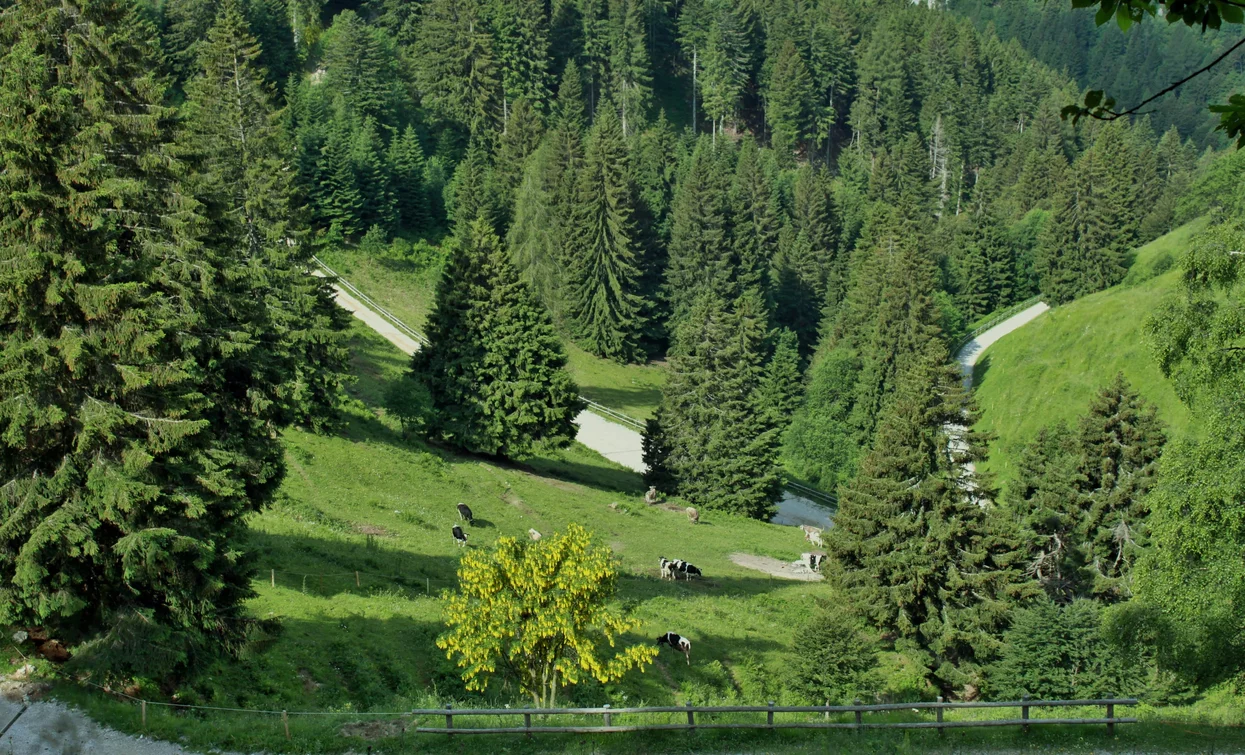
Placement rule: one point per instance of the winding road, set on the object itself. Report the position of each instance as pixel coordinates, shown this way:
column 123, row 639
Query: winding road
column 623, row 444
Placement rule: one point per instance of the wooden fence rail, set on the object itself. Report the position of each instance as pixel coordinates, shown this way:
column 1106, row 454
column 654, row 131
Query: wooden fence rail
column 608, row 717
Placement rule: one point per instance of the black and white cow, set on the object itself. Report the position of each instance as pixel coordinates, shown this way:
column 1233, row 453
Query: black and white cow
column 679, row 643
column 464, row 513
column 460, row 537
column 690, row 571
column 666, row 567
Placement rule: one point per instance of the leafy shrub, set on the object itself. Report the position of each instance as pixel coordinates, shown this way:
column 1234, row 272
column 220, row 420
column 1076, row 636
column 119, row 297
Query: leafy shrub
column 833, row 657
column 1060, row 652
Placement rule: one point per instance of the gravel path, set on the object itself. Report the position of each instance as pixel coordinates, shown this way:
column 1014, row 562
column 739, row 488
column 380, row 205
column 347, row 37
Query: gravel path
column 52, row 728
column 776, row 568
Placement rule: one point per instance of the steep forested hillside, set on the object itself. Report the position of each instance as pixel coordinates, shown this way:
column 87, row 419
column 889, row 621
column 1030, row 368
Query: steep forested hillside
column 1132, row 65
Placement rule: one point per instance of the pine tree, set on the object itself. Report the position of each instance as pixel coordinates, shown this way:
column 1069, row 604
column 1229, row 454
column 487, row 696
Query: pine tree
column 361, row 69
column 724, row 65
column 563, row 161
column 1044, row 499
column 238, row 149
column 603, row 279
column 797, row 283
column 341, row 200
column 922, row 553
column 812, row 213
column 522, row 32
column 700, row 255
column 631, row 77
column 130, row 458
column 406, row 164
column 780, row 387
column 519, row 140
column 711, row 439
column 755, row 220
column 1095, row 225
column 494, row 367
column 1119, row 442
column 456, row 69
column 790, row 102
column 534, row 234
column 367, row 155
column 473, row 191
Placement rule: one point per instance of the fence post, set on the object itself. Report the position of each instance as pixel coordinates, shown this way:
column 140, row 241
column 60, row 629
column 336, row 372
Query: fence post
column 272, row 577
column 607, row 714
column 527, row 724
column 857, row 703
column 449, row 720
column 827, row 710
column 356, row 579
column 144, row 705
column 1024, row 714
column 1111, row 721
column 938, row 716
column 691, row 717
column 769, row 715
column 285, row 721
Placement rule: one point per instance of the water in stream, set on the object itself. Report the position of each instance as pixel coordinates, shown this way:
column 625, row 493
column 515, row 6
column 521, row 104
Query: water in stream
column 794, row 511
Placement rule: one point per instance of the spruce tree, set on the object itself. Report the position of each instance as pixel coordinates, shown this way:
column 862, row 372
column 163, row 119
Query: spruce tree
column 755, row 220
column 473, row 191
column 1044, row 499
column 522, row 34
column 1119, row 442
column 341, row 199
column 372, row 177
column 494, row 367
column 237, row 149
column 820, row 445
column 360, row 69
column 781, row 386
column 920, row 550
column 631, row 76
column 797, row 279
column 603, row 277
column 812, row 213
column 700, row 256
column 406, row 164
column 517, row 142
column 142, row 409
column 456, row 67
column 534, row 235
column 790, row 105
column 711, row 438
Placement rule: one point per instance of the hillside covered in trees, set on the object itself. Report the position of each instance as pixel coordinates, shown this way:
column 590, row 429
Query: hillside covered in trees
column 796, row 208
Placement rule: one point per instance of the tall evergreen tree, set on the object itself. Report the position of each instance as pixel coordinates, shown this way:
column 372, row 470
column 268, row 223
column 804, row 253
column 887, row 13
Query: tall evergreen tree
column 1119, row 442
column 522, row 34
column 516, row 143
column 700, row 254
column 406, row 163
column 237, row 148
column 631, row 76
column 140, row 426
column 456, row 67
column 755, row 222
column 711, row 437
column 361, row 69
column 921, row 551
column 603, row 279
column 494, row 367
column 474, row 191
column 1044, row 499
column 791, row 103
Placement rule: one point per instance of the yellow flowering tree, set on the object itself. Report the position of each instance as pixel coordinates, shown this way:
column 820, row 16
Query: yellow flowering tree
column 538, row 613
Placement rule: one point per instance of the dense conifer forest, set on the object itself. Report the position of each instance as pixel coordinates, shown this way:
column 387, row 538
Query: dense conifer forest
column 798, row 208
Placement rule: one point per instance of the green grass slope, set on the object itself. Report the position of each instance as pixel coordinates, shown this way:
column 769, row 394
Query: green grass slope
column 1050, row 369
column 406, row 288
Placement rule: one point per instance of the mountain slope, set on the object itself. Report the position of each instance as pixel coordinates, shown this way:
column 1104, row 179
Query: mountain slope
column 1049, row 370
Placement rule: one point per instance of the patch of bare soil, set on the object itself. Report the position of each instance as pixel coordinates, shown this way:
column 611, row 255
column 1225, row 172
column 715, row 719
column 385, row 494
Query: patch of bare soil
column 514, row 500
column 372, row 529
column 372, row 730
column 774, row 567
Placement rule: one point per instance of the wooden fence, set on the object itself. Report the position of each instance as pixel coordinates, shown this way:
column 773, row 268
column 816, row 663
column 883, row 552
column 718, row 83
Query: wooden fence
column 707, row 717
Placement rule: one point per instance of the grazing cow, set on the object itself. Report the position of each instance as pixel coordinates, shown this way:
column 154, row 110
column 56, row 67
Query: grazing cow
column 651, row 496
column 693, row 515
column 667, row 568
column 533, row 534
column 812, row 534
column 460, row 537
column 690, row 571
column 464, row 513
column 678, row 642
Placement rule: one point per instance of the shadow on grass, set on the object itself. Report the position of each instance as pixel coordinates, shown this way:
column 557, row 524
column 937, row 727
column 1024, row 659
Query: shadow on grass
column 980, row 370
column 612, row 397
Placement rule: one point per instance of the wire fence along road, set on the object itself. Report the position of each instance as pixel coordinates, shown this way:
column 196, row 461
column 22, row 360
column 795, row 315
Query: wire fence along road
column 697, row 717
column 804, row 491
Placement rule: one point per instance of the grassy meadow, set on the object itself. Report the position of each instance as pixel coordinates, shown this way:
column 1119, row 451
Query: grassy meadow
column 1050, row 369
column 406, row 288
